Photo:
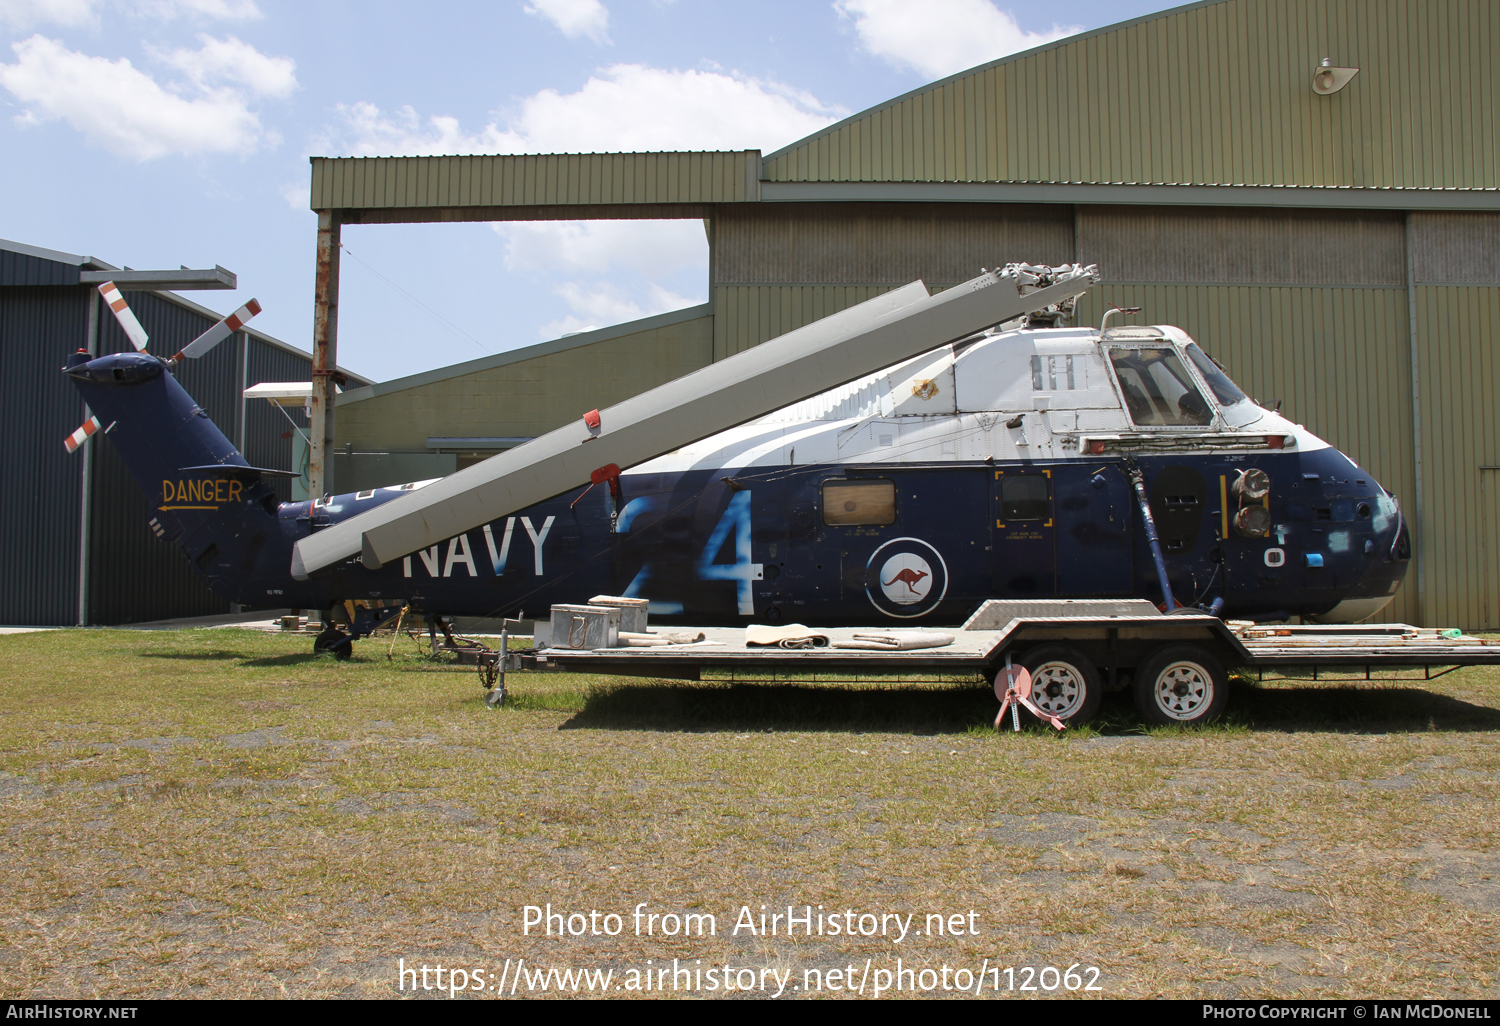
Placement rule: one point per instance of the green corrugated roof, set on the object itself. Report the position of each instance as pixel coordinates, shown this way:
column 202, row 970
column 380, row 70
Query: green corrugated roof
column 1215, row 93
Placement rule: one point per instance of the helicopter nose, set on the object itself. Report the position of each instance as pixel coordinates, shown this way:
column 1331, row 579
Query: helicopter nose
column 1392, row 538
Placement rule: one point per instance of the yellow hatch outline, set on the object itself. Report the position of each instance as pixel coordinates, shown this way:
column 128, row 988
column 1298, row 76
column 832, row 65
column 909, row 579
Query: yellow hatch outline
column 1045, row 473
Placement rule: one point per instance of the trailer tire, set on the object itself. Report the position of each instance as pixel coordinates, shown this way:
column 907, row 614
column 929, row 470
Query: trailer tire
column 1064, row 682
column 1181, row 684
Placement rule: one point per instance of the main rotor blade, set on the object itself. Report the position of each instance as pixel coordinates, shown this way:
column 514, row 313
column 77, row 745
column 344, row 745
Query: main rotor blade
column 219, row 332
column 133, row 329
column 806, row 362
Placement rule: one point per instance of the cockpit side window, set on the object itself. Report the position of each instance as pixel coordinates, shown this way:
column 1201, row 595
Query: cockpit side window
column 1224, row 390
column 1158, row 389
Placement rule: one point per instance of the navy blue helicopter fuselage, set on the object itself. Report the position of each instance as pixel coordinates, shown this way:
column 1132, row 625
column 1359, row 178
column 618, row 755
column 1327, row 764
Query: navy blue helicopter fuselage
column 930, row 543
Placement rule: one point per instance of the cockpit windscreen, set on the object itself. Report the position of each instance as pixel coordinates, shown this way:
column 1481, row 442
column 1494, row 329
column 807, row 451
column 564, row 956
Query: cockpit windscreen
column 1226, row 391
column 1158, row 390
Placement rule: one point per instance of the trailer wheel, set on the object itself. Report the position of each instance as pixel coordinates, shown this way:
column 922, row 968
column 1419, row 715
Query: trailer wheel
column 1064, row 682
column 1181, row 684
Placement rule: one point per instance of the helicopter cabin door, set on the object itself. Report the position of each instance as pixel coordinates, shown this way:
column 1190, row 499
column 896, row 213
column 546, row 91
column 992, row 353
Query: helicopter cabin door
column 1023, row 555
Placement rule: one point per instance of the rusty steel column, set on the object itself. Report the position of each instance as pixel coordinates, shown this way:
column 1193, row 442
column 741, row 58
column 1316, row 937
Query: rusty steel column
column 325, row 354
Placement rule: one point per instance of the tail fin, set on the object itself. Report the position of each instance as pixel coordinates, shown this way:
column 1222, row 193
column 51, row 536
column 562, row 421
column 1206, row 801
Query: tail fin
column 192, row 475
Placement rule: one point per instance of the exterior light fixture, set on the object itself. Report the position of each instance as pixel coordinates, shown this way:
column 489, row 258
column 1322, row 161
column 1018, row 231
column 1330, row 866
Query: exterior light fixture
column 1328, row 80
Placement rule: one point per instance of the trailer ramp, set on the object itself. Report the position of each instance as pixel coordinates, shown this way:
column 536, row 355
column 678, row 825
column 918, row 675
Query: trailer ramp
column 1118, row 634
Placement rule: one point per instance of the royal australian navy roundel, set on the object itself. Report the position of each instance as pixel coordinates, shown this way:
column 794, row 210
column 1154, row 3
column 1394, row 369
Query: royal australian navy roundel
column 906, row 578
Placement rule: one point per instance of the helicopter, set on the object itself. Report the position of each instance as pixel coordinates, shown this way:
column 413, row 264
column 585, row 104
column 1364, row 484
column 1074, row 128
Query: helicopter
column 1027, row 460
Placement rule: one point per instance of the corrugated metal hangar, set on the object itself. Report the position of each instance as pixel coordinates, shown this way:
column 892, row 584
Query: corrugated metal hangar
column 76, row 546
column 1339, row 251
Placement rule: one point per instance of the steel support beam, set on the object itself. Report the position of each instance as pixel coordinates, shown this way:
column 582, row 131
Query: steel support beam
column 1418, row 523
column 325, row 354
column 86, row 475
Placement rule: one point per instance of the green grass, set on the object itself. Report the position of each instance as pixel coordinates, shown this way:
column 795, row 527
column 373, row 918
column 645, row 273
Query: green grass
column 221, row 813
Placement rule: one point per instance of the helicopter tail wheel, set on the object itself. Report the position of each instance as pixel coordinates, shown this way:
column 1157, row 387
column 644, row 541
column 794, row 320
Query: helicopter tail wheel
column 1064, row 683
column 334, row 641
column 1181, row 684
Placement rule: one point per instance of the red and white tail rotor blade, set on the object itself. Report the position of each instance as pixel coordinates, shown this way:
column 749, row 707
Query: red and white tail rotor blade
column 133, row 329
column 219, row 332
column 83, row 434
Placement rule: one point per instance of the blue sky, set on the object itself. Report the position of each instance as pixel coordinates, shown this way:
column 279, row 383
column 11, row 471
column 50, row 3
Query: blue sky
column 153, row 133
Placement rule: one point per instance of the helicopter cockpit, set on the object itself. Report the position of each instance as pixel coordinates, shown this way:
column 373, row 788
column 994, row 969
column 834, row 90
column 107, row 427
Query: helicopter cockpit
column 1158, row 390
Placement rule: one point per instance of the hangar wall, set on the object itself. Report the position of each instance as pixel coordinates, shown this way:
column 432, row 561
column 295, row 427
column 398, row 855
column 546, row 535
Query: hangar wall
column 1458, row 327
column 39, row 487
column 48, row 529
column 778, row 266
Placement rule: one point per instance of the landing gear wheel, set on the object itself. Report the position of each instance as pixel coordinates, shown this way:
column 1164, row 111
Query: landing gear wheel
column 335, row 641
column 1181, row 684
column 1064, row 682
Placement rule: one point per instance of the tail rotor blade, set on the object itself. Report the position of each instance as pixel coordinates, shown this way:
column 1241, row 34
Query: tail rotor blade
column 83, row 434
column 133, row 329
column 219, row 332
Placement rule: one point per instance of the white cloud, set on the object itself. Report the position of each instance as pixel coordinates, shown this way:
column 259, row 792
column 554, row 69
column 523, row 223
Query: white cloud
column 624, row 107
column 226, row 10
column 597, row 304
column 941, row 37
column 593, row 247
column 123, row 109
column 298, row 195
column 574, row 18
column 22, row 14
column 19, row 15
column 230, row 60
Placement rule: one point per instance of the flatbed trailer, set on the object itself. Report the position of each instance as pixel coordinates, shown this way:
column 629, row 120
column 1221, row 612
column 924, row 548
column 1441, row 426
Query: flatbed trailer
column 1073, row 650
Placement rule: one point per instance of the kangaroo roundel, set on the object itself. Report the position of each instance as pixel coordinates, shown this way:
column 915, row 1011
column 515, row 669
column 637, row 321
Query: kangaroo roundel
column 910, row 578
column 906, row 578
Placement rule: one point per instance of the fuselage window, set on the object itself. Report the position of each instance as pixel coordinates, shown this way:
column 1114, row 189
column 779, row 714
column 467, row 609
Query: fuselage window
column 1023, row 497
column 1158, row 391
column 1059, row 374
column 859, row 503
